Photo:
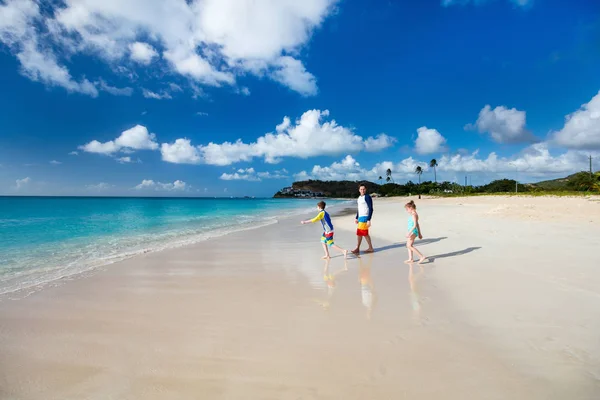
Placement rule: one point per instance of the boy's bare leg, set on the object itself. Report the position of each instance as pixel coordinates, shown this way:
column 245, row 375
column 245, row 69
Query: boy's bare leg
column 338, row 248
column 326, row 250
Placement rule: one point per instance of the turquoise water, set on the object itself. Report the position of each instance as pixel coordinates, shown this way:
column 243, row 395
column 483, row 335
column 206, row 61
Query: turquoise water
column 43, row 239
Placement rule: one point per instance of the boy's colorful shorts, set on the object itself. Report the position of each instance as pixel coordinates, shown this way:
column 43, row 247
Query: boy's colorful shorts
column 327, row 238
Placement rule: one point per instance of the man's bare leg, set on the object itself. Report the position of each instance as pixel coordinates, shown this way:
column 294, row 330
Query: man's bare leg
column 370, row 249
column 358, row 242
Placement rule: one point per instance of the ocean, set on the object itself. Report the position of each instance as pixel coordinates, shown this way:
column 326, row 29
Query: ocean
column 45, row 239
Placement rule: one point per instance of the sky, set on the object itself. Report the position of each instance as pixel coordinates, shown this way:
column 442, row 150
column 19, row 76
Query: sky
column 244, row 97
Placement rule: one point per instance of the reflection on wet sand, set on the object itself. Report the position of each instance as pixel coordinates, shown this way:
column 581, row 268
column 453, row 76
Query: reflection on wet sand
column 330, row 279
column 369, row 297
column 415, row 298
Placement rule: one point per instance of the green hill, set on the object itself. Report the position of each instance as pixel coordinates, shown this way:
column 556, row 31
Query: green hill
column 580, row 182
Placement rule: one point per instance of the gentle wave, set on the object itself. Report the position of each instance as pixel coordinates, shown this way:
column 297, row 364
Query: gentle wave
column 41, row 264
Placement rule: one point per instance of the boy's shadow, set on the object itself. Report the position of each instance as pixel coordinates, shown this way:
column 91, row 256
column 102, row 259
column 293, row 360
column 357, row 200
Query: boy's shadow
column 418, row 243
column 431, row 259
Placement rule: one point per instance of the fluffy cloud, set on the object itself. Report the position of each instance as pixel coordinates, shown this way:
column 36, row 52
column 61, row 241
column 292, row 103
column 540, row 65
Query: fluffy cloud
column 534, row 161
column 158, row 96
column 18, row 19
column 519, row 3
column 149, row 184
column 309, row 136
column 127, row 160
column 115, row 91
column 74, row 153
column 349, row 169
column 142, row 53
column 429, row 141
column 503, row 124
column 582, row 128
column 22, row 182
column 211, row 42
column 136, row 138
column 249, row 174
column 180, row 152
column 54, row 162
column 291, row 73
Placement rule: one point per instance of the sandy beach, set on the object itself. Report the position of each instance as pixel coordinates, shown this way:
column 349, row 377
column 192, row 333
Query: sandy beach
column 507, row 307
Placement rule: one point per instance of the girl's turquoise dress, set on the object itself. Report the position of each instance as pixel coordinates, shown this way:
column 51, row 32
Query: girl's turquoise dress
column 411, row 226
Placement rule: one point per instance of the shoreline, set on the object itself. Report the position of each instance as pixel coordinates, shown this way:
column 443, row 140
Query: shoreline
column 175, row 243
column 249, row 315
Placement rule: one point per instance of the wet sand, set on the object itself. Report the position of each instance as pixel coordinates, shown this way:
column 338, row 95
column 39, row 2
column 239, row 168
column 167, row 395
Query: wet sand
column 506, row 308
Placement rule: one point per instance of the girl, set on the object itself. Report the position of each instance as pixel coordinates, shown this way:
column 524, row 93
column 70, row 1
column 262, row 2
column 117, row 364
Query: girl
column 414, row 231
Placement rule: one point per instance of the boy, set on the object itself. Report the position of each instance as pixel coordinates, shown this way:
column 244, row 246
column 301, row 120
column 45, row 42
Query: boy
column 327, row 238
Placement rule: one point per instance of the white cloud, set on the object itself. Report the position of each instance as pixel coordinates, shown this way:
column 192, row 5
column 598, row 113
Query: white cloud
column 74, row 153
column 115, row 91
column 519, row 3
column 100, row 148
column 350, row 169
column 22, row 182
column 249, row 174
column 291, row 73
column 136, row 138
column 582, row 127
column 308, row 137
column 503, row 124
column 125, row 160
column 202, row 114
column 158, row 96
column 142, row 53
column 149, row 184
column 535, row 161
column 209, row 41
column 18, row 32
column 245, row 91
column 180, row 152
column 102, row 186
column 429, row 141
column 54, row 162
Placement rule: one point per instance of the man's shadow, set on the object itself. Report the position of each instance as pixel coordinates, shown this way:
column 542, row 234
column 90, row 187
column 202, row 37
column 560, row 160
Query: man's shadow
column 417, row 243
column 431, row 259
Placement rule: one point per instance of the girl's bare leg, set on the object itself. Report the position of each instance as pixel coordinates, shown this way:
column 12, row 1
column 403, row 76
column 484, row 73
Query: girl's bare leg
column 409, row 247
column 421, row 256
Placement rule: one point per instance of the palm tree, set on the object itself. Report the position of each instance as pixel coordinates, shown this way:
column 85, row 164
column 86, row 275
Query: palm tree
column 388, row 179
column 388, row 173
column 380, row 179
column 432, row 164
column 419, row 171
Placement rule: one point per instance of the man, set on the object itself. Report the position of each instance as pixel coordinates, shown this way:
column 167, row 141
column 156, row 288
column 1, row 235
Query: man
column 363, row 219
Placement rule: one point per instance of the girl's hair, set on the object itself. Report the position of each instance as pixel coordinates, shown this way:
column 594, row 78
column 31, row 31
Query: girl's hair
column 411, row 204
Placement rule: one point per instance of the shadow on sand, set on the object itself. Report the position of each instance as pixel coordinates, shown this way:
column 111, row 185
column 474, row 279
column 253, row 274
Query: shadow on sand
column 418, row 243
column 431, row 259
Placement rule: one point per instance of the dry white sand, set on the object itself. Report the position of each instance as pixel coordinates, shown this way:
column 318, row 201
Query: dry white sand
column 508, row 308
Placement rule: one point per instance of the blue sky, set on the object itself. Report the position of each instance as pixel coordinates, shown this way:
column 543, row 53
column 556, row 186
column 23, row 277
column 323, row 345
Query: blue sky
column 242, row 97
